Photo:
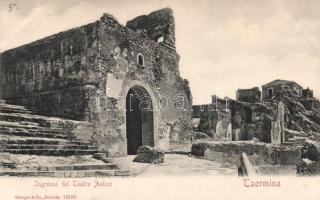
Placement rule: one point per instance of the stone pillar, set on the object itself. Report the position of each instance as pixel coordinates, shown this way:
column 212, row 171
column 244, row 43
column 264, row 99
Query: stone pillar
column 281, row 121
column 219, row 130
column 229, row 132
column 277, row 126
column 236, row 134
column 275, row 132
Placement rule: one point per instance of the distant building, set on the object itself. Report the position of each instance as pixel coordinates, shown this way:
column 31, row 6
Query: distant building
column 265, row 116
column 274, row 89
column 252, row 95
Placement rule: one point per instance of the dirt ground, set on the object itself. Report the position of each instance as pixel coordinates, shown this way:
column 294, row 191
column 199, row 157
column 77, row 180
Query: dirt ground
column 177, row 165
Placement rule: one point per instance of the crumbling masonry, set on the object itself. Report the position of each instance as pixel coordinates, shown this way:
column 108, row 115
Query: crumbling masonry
column 123, row 79
column 283, row 113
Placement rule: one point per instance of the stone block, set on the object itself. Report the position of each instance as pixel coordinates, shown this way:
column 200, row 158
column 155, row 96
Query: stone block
column 200, row 135
column 147, row 154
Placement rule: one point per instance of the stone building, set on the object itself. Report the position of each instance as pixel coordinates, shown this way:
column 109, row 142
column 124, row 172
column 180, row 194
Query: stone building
column 252, row 95
column 273, row 90
column 125, row 80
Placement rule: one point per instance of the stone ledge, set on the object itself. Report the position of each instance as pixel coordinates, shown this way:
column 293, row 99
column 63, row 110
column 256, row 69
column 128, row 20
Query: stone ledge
column 259, row 153
column 66, row 174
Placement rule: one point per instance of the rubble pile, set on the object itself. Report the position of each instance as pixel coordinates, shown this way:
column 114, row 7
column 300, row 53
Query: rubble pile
column 302, row 117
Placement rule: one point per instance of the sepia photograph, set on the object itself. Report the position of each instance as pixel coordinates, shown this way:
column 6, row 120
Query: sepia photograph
column 159, row 99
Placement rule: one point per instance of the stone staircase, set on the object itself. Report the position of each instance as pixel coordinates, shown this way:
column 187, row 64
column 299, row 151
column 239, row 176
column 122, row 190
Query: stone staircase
column 32, row 134
column 68, row 171
column 24, row 132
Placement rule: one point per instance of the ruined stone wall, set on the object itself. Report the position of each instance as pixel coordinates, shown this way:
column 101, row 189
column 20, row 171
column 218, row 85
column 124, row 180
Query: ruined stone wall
column 54, row 74
column 119, row 50
column 202, row 110
column 215, row 120
column 258, row 153
column 159, row 26
column 250, row 120
column 86, row 73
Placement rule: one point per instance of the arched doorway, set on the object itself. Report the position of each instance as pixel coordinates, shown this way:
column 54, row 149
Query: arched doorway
column 139, row 119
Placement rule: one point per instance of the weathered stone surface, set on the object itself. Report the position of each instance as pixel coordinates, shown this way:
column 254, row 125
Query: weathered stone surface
column 199, row 135
column 72, row 166
column 148, row 154
column 23, row 131
column 251, row 120
column 259, row 153
column 158, row 25
column 214, row 118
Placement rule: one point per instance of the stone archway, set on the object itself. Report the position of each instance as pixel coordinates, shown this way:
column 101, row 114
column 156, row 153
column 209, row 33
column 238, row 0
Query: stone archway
column 139, row 119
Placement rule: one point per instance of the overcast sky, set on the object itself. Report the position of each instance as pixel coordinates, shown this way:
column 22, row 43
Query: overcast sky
column 224, row 44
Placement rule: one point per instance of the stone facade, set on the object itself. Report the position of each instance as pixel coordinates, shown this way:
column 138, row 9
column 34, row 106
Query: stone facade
column 252, row 95
column 102, row 73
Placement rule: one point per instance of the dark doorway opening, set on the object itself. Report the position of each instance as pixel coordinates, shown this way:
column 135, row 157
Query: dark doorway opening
column 270, row 92
column 139, row 119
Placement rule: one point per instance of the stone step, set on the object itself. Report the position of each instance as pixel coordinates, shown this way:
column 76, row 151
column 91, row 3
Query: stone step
column 46, row 141
column 105, row 166
column 35, row 134
column 50, row 146
column 7, row 105
column 19, row 107
column 52, row 152
column 297, row 139
column 8, row 109
column 2, row 101
column 18, row 117
column 294, row 143
column 22, row 131
column 20, row 124
column 66, row 174
column 34, row 130
column 30, row 126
